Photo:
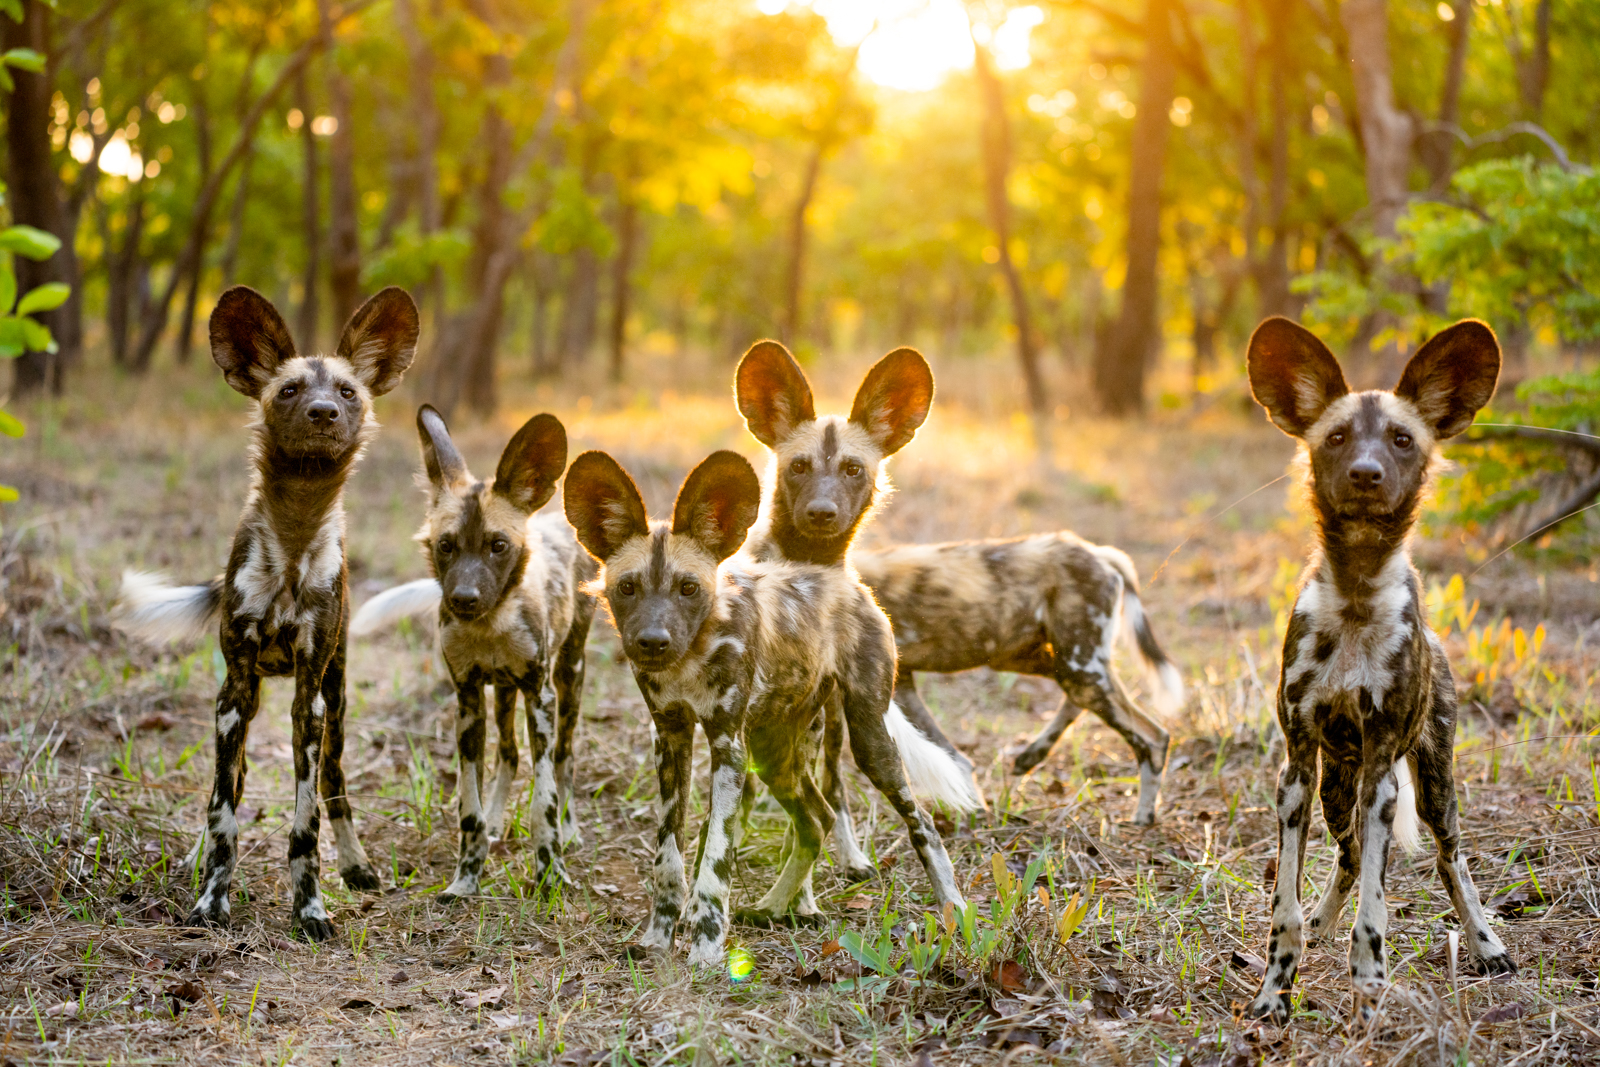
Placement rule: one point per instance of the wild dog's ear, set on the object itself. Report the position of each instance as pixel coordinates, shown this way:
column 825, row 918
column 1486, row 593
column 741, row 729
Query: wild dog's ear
column 532, row 463
column 380, row 339
column 439, row 454
column 894, row 399
column 718, row 503
column 1452, row 376
column 774, row 396
column 1293, row 375
column 603, row 505
column 248, row 339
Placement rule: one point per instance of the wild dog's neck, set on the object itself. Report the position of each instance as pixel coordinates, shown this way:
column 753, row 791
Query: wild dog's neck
column 790, row 544
column 1356, row 551
column 299, row 494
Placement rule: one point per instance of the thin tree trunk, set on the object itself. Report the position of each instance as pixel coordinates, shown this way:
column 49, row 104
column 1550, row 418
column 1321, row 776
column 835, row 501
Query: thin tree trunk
column 35, row 198
column 194, row 244
column 120, row 288
column 311, row 218
column 1386, row 134
column 1533, row 65
column 578, row 306
column 539, row 341
column 621, row 281
column 344, row 238
column 202, row 132
column 996, row 138
column 1273, row 276
column 1120, row 363
column 241, row 200
column 1438, row 147
column 794, row 268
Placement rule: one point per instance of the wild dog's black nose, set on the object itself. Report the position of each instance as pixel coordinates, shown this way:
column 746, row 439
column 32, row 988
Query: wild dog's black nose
column 653, row 642
column 464, row 603
column 1366, row 473
column 820, row 511
column 322, row 411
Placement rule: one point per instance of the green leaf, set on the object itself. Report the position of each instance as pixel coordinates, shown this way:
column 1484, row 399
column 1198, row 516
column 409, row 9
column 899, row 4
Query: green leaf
column 46, row 297
column 30, row 242
column 37, row 336
column 9, row 495
column 8, row 287
column 12, row 9
column 10, row 425
column 24, row 59
column 13, row 338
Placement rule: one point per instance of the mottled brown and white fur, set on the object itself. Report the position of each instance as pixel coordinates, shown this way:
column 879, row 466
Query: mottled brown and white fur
column 513, row 613
column 827, row 475
column 750, row 651
column 283, row 601
column 1366, row 688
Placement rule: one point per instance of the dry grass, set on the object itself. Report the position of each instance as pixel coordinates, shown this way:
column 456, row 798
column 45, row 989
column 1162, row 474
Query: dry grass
column 104, row 757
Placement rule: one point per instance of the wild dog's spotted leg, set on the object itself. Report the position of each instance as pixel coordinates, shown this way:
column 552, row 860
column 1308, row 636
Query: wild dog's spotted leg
column 569, row 674
column 308, row 714
column 1433, row 772
column 747, row 803
column 544, row 819
column 785, row 767
column 1376, row 807
column 1296, row 783
column 852, row 862
column 470, row 730
column 354, row 867
column 236, row 707
column 674, row 751
column 1340, row 781
column 505, row 768
column 713, row 885
column 865, row 704
column 1039, row 748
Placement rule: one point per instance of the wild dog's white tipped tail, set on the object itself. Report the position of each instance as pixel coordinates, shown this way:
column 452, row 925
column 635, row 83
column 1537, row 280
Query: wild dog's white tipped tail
column 1166, row 686
column 1406, row 832
column 392, row 605
column 152, row 609
column 1166, row 683
column 930, row 770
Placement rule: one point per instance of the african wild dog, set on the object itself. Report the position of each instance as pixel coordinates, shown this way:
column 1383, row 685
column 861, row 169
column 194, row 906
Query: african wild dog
column 283, row 601
column 826, row 477
column 1365, row 681
column 508, row 585
column 1050, row 604
column 749, row 651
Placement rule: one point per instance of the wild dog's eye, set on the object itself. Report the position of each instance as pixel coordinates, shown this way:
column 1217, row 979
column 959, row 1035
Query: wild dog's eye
column 800, row 466
column 689, row 587
column 499, row 545
column 347, row 392
column 288, row 391
column 1336, row 438
column 852, row 470
column 446, row 546
column 625, row 587
column 1402, row 440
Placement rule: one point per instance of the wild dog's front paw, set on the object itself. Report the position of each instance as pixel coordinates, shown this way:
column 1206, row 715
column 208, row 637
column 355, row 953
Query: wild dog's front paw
column 764, row 919
column 1271, row 1004
column 465, row 885
column 707, row 954
column 853, row 873
column 361, row 878
column 1144, row 818
column 312, row 927
column 209, row 913
column 1028, row 759
column 1495, row 965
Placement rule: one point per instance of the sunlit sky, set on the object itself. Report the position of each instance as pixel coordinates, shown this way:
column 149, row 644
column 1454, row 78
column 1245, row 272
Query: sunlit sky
column 913, row 44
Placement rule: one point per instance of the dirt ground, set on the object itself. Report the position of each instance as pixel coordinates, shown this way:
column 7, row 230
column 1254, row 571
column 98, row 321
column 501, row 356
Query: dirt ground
column 105, row 756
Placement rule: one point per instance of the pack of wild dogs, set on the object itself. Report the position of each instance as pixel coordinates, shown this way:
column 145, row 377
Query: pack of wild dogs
column 748, row 613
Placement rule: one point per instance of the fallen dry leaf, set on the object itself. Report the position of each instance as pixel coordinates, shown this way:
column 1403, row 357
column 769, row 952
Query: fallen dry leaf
column 487, row 998
column 1009, row 976
column 1503, row 1013
column 1247, row 961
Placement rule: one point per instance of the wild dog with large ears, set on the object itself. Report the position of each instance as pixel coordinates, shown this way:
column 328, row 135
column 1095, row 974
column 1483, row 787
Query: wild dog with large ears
column 508, row 586
column 283, row 601
column 826, row 476
column 1365, row 681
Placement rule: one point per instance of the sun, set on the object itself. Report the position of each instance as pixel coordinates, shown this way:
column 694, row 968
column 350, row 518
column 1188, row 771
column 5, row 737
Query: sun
column 913, row 45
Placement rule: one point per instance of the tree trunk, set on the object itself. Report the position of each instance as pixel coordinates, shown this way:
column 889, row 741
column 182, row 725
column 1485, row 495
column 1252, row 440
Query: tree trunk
column 1272, row 277
column 621, row 280
column 794, row 273
column 35, row 199
column 241, row 200
column 1438, row 147
column 425, row 114
column 1533, row 65
column 122, row 273
column 202, row 132
column 1386, row 134
column 578, row 308
column 996, row 141
column 1120, row 363
column 344, row 238
column 539, row 281
column 311, row 219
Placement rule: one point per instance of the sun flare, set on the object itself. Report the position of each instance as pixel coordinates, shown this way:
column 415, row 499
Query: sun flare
column 913, row 45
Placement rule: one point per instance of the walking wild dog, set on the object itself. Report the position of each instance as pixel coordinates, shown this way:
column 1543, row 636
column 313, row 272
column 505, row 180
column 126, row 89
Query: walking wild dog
column 826, row 477
column 1052, row 605
column 749, row 651
column 1365, row 681
column 508, row 585
column 283, row 601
